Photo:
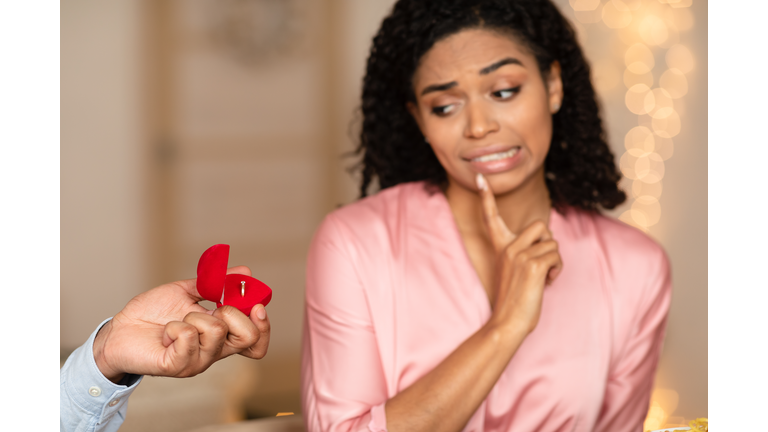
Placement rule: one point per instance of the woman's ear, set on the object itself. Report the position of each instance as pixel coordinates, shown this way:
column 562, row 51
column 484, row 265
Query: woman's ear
column 555, row 87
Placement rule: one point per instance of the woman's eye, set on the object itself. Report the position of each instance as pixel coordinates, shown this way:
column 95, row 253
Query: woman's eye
column 443, row 110
column 506, row 93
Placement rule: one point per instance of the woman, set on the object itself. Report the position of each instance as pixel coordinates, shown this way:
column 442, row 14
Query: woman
column 481, row 289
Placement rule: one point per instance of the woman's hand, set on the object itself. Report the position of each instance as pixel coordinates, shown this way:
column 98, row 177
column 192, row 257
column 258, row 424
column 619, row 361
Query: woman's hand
column 524, row 264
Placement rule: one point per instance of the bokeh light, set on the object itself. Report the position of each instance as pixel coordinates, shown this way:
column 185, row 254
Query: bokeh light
column 668, row 126
column 653, row 30
column 589, row 17
column 640, row 138
column 663, row 403
column 584, row 5
column 683, row 18
column 680, row 3
column 644, row 26
column 679, row 57
column 673, row 35
column 628, row 35
column 632, row 5
column 680, row 107
column 649, row 168
column 628, row 162
column 656, row 418
column 649, row 29
column 616, row 14
column 646, row 210
column 658, row 103
column 664, row 146
column 639, row 59
column 605, row 75
column 674, row 82
column 640, row 188
column 631, row 78
column 635, row 98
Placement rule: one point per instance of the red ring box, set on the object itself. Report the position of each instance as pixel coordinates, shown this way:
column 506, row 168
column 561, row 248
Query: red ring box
column 241, row 291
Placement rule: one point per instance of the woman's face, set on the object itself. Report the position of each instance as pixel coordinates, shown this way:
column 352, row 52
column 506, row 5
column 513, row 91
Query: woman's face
column 484, row 107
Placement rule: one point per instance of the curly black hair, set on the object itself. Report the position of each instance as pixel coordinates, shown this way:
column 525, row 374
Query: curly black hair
column 580, row 168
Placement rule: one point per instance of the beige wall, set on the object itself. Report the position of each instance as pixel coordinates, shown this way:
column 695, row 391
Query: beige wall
column 234, row 157
column 102, row 225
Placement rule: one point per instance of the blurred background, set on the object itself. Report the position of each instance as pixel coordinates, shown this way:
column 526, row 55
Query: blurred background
column 190, row 123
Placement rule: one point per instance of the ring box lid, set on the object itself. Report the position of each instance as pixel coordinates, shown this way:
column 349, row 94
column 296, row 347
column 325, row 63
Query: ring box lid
column 212, row 272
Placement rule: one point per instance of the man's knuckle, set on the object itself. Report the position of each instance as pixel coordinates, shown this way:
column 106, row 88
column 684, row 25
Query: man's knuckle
column 218, row 328
column 188, row 332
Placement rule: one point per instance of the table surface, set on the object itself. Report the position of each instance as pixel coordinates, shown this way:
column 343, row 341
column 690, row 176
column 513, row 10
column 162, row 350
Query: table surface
column 290, row 423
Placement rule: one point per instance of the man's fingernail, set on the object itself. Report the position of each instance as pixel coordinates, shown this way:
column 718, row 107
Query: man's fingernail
column 480, row 181
column 261, row 312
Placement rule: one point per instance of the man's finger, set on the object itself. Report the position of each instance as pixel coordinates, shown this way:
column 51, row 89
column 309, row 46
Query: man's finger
column 212, row 333
column 182, row 347
column 189, row 286
column 243, row 270
column 261, row 320
column 500, row 235
column 243, row 333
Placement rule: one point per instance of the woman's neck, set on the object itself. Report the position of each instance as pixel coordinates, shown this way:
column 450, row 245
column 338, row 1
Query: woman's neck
column 519, row 208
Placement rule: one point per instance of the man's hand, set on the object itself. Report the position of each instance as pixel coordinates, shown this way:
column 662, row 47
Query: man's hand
column 165, row 332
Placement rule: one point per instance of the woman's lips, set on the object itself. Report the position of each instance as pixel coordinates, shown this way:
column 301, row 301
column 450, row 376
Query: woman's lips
column 497, row 162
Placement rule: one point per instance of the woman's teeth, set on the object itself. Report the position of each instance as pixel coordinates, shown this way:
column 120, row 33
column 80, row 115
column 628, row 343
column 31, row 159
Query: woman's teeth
column 497, row 156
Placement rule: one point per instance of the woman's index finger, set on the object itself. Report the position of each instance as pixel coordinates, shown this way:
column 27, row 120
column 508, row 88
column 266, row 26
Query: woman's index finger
column 500, row 235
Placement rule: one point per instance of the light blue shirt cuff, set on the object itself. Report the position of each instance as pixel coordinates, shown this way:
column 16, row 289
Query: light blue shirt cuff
column 89, row 401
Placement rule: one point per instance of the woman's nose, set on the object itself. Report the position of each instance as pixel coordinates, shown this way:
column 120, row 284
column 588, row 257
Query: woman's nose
column 480, row 120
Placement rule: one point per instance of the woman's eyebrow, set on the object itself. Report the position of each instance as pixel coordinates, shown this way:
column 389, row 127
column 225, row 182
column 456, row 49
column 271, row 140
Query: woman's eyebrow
column 509, row 60
column 484, row 71
column 439, row 87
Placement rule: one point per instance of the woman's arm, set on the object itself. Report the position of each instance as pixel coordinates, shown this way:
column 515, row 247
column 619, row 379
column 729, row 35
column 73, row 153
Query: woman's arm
column 343, row 382
column 447, row 397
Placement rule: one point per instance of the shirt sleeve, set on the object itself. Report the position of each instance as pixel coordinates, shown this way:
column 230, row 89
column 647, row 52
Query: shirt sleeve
column 343, row 382
column 89, row 402
column 630, row 380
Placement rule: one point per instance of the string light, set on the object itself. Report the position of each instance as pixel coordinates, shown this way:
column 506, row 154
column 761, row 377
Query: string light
column 654, row 93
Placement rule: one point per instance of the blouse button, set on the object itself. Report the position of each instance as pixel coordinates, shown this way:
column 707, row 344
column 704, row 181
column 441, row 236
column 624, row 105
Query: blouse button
column 94, row 391
column 114, row 402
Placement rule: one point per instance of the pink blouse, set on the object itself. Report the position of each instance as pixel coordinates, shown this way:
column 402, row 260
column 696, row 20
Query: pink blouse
column 391, row 292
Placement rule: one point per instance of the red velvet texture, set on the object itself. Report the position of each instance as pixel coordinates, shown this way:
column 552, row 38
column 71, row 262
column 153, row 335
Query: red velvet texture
column 213, row 280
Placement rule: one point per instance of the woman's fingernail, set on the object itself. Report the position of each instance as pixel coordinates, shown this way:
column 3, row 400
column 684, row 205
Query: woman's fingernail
column 480, row 182
column 261, row 313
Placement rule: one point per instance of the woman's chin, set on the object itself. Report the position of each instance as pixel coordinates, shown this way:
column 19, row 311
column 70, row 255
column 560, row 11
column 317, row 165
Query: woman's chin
column 514, row 181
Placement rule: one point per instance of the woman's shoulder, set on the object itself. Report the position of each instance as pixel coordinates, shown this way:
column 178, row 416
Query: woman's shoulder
column 378, row 216
column 385, row 208
column 616, row 238
column 635, row 266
